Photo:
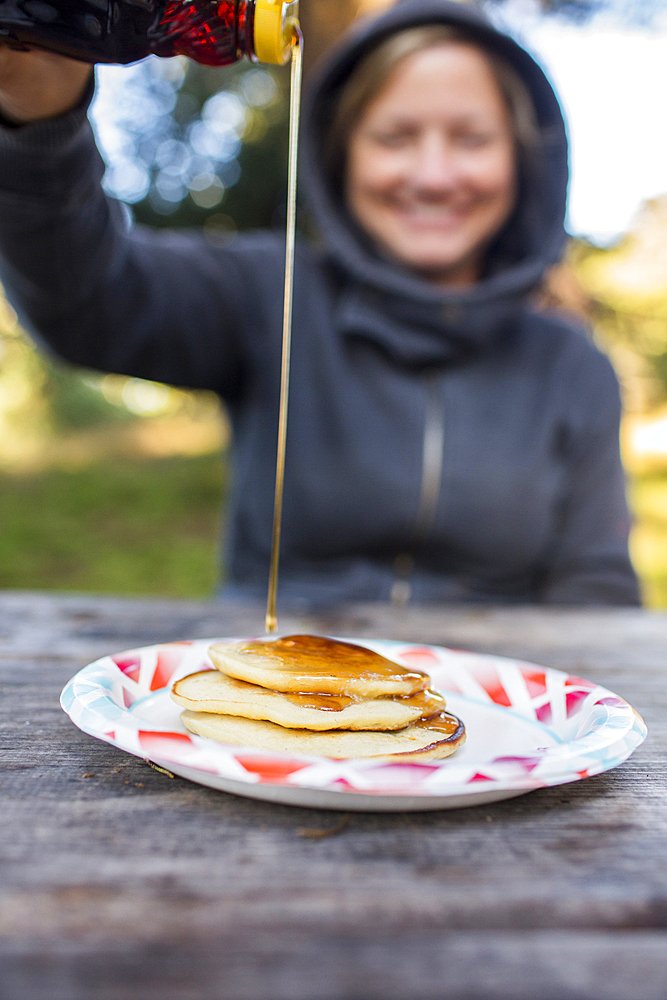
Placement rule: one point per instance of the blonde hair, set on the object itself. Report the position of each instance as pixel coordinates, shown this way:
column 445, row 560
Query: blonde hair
column 373, row 71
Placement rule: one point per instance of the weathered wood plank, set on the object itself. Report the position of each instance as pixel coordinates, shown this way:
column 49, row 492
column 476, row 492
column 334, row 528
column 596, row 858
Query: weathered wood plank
column 423, row 965
column 74, row 625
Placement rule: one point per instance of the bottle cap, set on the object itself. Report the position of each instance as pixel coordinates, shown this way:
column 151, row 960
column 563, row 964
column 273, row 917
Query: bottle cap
column 276, row 24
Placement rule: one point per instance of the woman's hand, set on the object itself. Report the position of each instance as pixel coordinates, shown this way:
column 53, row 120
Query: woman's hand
column 36, row 85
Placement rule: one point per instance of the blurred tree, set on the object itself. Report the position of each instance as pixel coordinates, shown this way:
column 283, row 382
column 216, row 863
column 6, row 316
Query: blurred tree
column 74, row 401
column 625, row 288
column 187, row 145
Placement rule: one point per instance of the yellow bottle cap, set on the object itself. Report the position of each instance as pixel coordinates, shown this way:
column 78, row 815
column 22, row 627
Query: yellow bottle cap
column 276, row 24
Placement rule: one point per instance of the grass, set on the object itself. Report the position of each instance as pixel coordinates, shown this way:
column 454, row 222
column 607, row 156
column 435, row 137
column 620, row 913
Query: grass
column 124, row 526
column 151, row 526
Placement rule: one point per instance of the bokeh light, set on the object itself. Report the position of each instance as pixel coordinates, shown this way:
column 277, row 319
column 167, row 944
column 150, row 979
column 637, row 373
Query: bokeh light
column 162, row 142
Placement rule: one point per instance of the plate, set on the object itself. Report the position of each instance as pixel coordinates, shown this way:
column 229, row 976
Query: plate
column 528, row 727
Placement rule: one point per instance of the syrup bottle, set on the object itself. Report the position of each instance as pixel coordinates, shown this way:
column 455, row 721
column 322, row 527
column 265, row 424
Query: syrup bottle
column 214, row 32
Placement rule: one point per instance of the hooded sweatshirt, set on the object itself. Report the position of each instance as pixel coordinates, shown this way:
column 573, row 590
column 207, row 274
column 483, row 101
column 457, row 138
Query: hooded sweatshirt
column 443, row 445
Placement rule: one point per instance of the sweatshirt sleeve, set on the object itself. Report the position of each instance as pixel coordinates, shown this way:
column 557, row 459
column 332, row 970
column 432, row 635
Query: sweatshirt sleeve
column 154, row 304
column 589, row 562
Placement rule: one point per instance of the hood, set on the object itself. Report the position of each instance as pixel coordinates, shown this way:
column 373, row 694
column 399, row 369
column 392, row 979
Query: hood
column 381, row 298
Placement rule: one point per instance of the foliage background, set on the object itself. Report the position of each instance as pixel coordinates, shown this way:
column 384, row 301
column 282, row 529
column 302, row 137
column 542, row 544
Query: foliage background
column 114, row 485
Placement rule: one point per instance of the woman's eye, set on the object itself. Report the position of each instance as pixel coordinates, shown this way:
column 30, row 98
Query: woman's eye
column 474, row 140
column 392, row 140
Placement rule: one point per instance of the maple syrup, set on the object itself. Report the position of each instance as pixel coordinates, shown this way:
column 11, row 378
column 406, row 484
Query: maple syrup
column 444, row 723
column 329, row 666
column 213, row 32
column 444, row 726
column 430, row 703
column 271, row 620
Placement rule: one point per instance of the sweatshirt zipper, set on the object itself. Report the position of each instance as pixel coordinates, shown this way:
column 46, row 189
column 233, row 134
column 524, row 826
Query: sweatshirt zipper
column 433, row 452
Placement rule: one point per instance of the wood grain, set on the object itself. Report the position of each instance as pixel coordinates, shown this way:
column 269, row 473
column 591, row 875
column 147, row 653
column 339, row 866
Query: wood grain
column 120, row 882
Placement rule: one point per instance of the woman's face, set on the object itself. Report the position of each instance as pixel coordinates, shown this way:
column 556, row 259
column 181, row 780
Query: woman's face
column 431, row 171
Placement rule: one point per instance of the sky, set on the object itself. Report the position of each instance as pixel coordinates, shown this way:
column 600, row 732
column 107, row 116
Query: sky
column 612, row 81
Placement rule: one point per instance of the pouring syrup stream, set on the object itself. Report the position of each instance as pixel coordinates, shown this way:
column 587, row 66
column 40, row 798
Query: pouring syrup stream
column 295, row 113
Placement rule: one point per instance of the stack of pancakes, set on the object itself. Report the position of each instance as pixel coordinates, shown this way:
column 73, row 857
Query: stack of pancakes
column 313, row 695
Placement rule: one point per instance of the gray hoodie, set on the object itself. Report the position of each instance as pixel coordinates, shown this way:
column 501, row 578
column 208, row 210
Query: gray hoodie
column 443, row 445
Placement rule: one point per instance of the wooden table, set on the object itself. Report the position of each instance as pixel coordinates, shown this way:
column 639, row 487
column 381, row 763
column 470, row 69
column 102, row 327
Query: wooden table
column 120, row 882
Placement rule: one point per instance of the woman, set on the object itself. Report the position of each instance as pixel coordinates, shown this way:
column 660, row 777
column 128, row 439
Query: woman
column 448, row 441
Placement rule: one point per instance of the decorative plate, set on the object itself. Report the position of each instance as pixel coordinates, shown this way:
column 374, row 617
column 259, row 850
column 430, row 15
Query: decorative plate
column 528, row 727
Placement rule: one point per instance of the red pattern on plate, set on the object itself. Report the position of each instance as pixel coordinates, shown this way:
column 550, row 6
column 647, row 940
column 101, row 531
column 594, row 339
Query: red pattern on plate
column 479, row 777
column 168, row 661
column 343, row 785
column 488, row 677
column 420, row 657
column 579, row 682
column 573, row 700
column 270, row 768
column 130, row 666
column 543, row 713
column 536, row 682
column 159, row 743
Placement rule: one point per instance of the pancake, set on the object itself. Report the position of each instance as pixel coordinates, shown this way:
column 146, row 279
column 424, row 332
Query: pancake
column 306, row 663
column 212, row 691
column 430, row 739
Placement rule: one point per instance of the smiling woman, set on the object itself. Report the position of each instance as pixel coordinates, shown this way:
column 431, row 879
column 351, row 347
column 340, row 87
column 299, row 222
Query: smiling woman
column 431, row 172
column 429, row 139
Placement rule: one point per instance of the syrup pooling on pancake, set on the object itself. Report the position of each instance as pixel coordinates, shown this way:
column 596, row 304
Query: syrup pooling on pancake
column 428, row 702
column 444, row 726
column 215, row 692
column 417, row 742
column 304, row 663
